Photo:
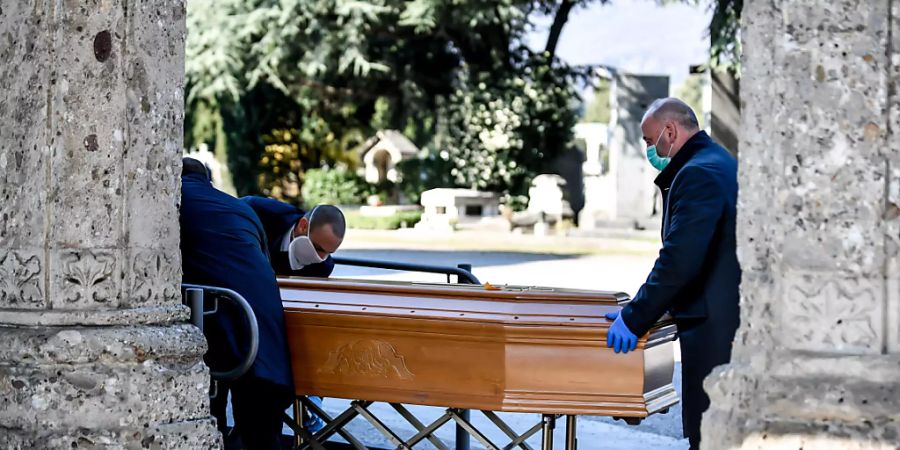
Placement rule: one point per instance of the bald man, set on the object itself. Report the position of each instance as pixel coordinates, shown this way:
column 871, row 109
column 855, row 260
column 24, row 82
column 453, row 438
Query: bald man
column 696, row 276
column 300, row 242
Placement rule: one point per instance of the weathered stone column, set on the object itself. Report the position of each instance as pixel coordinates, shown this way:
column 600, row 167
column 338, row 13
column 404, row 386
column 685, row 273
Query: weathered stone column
column 94, row 348
column 816, row 363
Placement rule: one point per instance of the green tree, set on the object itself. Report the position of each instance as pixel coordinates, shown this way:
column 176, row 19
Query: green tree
column 496, row 137
column 725, row 35
column 329, row 73
column 343, row 69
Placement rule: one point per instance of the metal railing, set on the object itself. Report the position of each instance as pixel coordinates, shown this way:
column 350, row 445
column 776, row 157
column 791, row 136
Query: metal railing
column 195, row 296
column 463, row 272
column 362, row 408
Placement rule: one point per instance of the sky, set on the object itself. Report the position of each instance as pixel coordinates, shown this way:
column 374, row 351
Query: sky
column 636, row 36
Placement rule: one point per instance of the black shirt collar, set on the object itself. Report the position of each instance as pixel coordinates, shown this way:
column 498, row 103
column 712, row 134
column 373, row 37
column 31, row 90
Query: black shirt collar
column 694, row 144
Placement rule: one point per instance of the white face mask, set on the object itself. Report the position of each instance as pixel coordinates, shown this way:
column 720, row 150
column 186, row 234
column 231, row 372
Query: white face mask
column 302, row 252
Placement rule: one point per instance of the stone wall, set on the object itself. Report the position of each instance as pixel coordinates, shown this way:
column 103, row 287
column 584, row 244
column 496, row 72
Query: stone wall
column 816, row 361
column 94, row 349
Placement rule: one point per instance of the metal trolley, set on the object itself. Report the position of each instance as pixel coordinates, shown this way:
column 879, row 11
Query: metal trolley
column 204, row 301
column 465, row 429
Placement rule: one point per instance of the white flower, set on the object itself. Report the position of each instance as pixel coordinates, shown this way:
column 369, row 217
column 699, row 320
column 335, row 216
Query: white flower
column 494, row 139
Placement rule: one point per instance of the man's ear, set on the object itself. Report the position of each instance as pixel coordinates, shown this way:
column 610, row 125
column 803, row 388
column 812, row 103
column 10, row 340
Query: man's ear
column 302, row 227
column 671, row 131
column 677, row 132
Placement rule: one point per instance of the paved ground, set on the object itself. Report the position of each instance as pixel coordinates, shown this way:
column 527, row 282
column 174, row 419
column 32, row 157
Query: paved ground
column 596, row 263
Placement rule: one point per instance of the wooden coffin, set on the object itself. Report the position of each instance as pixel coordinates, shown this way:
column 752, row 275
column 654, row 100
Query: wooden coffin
column 516, row 349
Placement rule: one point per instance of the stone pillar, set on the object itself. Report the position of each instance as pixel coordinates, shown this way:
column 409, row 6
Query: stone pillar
column 95, row 351
column 816, row 361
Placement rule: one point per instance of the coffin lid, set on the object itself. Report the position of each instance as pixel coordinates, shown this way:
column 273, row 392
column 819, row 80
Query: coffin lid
column 507, row 304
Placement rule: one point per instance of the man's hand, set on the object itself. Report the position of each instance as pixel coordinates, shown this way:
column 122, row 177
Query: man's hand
column 619, row 336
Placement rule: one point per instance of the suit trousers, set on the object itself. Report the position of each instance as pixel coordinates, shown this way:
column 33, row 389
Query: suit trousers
column 705, row 344
column 258, row 407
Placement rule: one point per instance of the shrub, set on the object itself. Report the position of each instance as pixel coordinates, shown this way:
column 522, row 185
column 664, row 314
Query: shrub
column 335, row 186
column 400, row 219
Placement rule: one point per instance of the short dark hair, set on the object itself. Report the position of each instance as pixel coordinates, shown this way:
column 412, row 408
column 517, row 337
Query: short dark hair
column 330, row 215
column 675, row 110
column 191, row 165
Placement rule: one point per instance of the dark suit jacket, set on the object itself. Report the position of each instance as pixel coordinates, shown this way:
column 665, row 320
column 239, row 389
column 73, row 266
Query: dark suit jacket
column 223, row 244
column 696, row 275
column 277, row 218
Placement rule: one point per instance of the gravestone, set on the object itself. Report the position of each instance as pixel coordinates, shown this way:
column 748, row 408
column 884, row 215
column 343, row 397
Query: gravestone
column 547, row 197
column 446, row 209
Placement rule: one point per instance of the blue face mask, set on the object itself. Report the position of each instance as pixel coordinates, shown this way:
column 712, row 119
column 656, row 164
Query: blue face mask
column 658, row 162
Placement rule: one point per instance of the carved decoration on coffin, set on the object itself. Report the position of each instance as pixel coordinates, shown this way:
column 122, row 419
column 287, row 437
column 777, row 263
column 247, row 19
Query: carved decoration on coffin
column 154, row 278
column 88, row 277
column 368, row 357
column 828, row 314
column 20, row 279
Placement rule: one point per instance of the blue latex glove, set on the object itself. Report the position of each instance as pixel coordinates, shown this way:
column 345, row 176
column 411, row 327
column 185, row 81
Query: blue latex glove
column 619, row 336
column 314, row 423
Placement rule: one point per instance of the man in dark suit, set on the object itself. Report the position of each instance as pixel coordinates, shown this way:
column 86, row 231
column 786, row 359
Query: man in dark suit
column 696, row 276
column 223, row 244
column 300, row 243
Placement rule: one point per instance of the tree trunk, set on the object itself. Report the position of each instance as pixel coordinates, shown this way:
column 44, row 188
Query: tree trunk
column 562, row 16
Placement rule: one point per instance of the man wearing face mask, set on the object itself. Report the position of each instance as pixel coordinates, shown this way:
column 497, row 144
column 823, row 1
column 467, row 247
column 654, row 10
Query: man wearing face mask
column 696, row 276
column 300, row 244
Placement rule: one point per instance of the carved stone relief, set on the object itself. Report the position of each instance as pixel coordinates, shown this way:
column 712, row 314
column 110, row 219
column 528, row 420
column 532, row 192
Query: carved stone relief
column 85, row 278
column 893, row 307
column 891, row 228
column 825, row 312
column 154, row 278
column 20, row 280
